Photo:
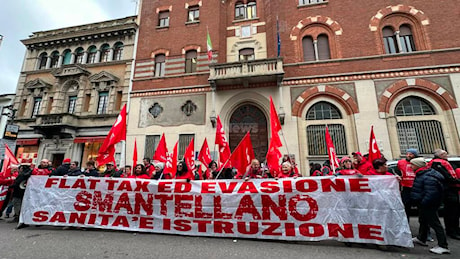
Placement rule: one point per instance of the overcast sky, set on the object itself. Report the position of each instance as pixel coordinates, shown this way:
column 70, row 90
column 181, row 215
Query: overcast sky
column 20, row 18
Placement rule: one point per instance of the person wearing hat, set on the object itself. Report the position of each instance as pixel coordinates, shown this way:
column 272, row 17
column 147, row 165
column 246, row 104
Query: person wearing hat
column 362, row 165
column 110, row 171
column 427, row 194
column 346, row 167
column 62, row 169
column 407, row 179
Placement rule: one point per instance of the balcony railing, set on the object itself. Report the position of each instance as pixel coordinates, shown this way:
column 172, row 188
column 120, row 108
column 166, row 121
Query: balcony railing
column 241, row 69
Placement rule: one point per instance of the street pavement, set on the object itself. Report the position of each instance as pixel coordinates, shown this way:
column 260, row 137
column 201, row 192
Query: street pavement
column 54, row 242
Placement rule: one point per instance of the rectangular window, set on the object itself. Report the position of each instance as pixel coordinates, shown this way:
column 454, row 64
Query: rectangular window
column 87, row 101
column 425, row 136
column 163, row 19
column 190, row 62
column 118, row 99
column 72, row 103
column 193, row 14
column 308, row 2
column 37, row 104
column 317, row 139
column 103, row 103
column 184, row 141
column 160, row 65
column 151, row 144
column 50, row 105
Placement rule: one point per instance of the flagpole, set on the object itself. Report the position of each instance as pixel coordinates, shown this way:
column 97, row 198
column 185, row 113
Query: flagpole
column 222, row 168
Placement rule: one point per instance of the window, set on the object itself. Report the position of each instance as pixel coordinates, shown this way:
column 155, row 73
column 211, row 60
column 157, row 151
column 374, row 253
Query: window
column 117, row 51
column 54, row 59
column 79, row 53
column 163, row 19
column 190, row 61
column 425, row 136
column 323, row 111
column 193, row 14
column 316, row 50
column 67, row 56
column 245, row 11
column 42, row 60
column 316, row 138
column 308, row 49
column 308, row 2
column 184, row 141
column 389, row 40
column 37, row 104
column 406, row 39
column 323, row 47
column 72, row 103
column 398, row 42
column 103, row 103
column 105, row 53
column 92, row 52
column 160, row 65
column 414, row 106
column 151, row 144
column 246, row 54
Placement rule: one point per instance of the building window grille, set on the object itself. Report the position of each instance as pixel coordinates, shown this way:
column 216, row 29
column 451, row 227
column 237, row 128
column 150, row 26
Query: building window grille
column 316, row 139
column 184, row 141
column 425, row 136
column 103, row 103
column 151, row 144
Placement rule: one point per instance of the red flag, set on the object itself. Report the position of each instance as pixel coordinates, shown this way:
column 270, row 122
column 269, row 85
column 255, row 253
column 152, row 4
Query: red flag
column 116, row 134
column 189, row 158
column 221, row 141
column 331, row 152
column 8, row 161
column 171, row 163
column 161, row 151
column 205, row 156
column 3, row 193
column 134, row 155
column 274, row 154
column 243, row 154
column 374, row 151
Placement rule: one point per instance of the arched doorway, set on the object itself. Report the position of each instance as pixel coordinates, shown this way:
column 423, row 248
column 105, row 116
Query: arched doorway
column 246, row 118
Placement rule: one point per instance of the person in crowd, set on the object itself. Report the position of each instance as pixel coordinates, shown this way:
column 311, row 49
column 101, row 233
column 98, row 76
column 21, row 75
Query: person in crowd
column 149, row 168
column 254, row 171
column 43, row 168
column 326, row 169
column 110, row 171
column 8, row 179
column 74, row 170
column 19, row 187
column 404, row 170
column 381, row 167
column 346, row 167
column 362, row 165
column 159, row 167
column 316, row 170
column 62, row 169
column 287, row 158
column 140, row 172
column 182, row 171
column 212, row 170
column 451, row 197
column 427, row 193
column 287, row 171
column 127, row 171
column 91, row 169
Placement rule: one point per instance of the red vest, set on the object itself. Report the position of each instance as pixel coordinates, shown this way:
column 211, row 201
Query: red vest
column 408, row 175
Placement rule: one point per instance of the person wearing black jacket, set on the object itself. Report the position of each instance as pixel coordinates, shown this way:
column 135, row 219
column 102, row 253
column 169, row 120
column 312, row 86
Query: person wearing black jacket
column 18, row 186
column 74, row 170
column 62, row 169
column 427, row 194
column 91, row 169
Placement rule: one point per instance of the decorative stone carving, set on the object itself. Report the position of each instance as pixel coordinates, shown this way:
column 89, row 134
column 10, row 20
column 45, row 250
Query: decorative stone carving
column 156, row 110
column 103, row 81
column 70, row 71
column 37, row 86
column 188, row 108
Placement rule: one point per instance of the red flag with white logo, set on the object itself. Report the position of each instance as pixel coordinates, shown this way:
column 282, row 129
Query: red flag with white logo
column 374, row 151
column 189, row 158
column 205, row 156
column 161, row 151
column 171, row 163
column 331, row 152
column 243, row 154
column 221, row 141
column 8, row 161
column 274, row 154
column 116, row 134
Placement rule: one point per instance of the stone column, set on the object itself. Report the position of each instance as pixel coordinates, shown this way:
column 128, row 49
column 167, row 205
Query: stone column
column 98, row 56
column 85, row 57
column 72, row 58
column 60, row 60
column 110, row 54
column 48, row 62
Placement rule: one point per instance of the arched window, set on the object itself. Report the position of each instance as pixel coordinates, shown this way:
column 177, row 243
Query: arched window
column 316, row 50
column 118, row 51
column 389, row 40
column 92, row 52
column 323, row 47
column 54, row 59
column 79, row 53
column 190, row 61
column 42, row 60
column 316, row 133
column 406, row 39
column 160, row 65
column 105, row 53
column 308, row 49
column 246, row 54
column 424, row 132
column 67, row 54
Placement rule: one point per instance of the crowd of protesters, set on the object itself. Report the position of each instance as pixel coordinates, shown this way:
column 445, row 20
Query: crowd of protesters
column 426, row 185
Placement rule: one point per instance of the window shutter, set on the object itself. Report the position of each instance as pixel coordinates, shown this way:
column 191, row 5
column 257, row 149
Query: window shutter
column 308, row 49
column 324, row 52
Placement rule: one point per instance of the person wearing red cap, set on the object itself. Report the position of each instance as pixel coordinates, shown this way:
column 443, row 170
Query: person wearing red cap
column 62, row 169
column 346, row 167
column 362, row 165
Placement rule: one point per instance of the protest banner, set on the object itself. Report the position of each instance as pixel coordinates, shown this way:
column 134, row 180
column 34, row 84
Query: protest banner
column 348, row 208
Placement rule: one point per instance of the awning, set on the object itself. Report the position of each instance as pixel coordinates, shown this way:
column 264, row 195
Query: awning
column 85, row 139
column 32, row 141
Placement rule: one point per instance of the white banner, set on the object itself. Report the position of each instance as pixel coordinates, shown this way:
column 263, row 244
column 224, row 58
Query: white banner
column 346, row 208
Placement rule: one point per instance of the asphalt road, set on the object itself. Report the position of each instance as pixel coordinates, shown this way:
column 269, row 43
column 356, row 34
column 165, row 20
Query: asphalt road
column 53, row 242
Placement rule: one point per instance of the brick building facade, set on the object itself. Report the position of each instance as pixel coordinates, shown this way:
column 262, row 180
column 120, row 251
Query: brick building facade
column 345, row 64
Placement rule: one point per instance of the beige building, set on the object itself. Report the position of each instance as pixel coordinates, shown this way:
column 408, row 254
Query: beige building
column 72, row 86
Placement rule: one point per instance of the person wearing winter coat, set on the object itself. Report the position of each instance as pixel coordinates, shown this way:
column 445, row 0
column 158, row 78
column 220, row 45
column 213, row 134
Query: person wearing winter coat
column 287, row 171
column 346, row 167
column 91, row 169
column 427, row 194
column 19, row 189
column 362, row 164
column 62, row 169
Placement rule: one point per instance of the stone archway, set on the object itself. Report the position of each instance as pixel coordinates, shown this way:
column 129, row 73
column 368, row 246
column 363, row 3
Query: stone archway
column 248, row 117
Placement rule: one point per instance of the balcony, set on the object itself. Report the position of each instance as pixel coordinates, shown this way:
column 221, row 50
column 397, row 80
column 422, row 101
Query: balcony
column 246, row 73
column 56, row 124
